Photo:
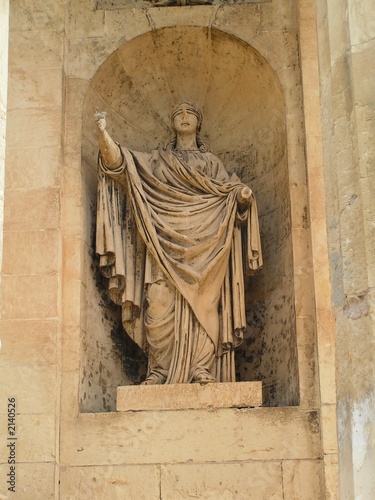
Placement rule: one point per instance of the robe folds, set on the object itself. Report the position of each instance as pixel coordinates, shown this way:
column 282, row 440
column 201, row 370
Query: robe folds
column 174, row 215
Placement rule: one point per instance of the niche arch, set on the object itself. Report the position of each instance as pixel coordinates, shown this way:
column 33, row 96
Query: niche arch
column 244, row 124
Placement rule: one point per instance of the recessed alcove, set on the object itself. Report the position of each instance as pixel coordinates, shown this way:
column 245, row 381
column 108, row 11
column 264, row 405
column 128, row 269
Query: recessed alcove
column 244, row 124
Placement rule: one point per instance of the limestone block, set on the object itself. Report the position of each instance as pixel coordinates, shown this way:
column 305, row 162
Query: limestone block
column 35, row 49
column 29, row 15
column 70, row 382
column 284, row 12
column 366, row 146
column 322, row 286
column 270, row 44
column 41, row 164
column 364, row 74
column 84, row 20
column 175, row 16
column 303, row 479
column 34, row 388
column 194, row 396
column 34, row 480
column 132, row 482
column 245, row 481
column 34, row 128
column 71, row 216
column 72, row 256
column 331, row 473
column 73, row 294
column 307, row 361
column 128, row 24
column 241, row 20
column 29, row 297
column 314, row 151
column 301, row 251
column 177, row 436
column 32, row 209
column 299, row 207
column 30, row 252
column 71, row 355
column 36, row 437
column 361, row 21
column 76, row 90
column 304, row 293
column 72, row 179
column 32, row 343
column 329, row 428
column 35, row 88
column 87, row 54
column 326, row 329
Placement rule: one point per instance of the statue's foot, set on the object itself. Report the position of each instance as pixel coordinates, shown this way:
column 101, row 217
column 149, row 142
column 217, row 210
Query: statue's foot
column 204, row 377
column 154, row 379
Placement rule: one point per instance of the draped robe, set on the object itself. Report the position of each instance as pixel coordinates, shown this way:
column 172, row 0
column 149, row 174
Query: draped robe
column 176, row 215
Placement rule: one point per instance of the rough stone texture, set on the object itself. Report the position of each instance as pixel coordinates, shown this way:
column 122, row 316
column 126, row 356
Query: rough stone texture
column 34, row 480
column 4, row 38
column 228, row 482
column 348, row 105
column 55, row 324
column 303, row 479
column 189, row 396
column 126, row 481
column 193, row 436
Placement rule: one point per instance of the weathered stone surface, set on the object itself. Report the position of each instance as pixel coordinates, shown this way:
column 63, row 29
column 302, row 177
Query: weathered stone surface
column 33, row 480
column 303, row 479
column 32, row 209
column 43, row 166
column 36, row 88
column 35, row 435
column 246, row 481
column 34, row 127
column 30, row 252
column 123, row 481
column 29, row 15
column 189, row 396
column 19, row 300
column 197, row 435
column 346, row 111
column 26, row 342
column 31, row 386
column 34, row 48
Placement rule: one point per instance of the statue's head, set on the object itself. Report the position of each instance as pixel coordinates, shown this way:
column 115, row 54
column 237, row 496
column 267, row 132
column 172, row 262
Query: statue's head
column 191, row 107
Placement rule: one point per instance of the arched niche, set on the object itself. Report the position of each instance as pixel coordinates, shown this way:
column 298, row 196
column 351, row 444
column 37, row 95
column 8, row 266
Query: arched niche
column 244, row 124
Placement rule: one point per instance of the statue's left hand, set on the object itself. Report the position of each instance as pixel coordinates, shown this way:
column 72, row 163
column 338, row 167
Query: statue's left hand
column 244, row 196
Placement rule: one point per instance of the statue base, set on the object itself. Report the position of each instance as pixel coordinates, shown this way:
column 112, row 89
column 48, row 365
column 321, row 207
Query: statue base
column 189, row 396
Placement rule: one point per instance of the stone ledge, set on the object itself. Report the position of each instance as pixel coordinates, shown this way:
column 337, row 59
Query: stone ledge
column 189, row 396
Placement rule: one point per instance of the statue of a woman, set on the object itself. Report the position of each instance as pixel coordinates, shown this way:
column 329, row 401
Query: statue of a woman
column 175, row 234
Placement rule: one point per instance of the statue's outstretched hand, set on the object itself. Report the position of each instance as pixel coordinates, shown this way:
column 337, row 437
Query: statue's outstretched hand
column 100, row 119
column 244, row 196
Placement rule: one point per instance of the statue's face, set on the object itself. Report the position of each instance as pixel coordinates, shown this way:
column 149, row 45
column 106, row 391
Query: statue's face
column 185, row 121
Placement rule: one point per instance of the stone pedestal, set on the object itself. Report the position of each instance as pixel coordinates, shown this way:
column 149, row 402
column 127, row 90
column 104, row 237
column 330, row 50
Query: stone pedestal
column 189, row 396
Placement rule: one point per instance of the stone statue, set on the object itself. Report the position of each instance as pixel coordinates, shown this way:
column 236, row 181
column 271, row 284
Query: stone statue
column 175, row 234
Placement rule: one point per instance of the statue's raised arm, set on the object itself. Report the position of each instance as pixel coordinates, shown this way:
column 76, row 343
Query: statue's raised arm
column 109, row 150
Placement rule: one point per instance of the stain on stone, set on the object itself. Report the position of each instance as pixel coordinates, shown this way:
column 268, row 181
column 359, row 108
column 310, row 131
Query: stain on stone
column 356, row 306
column 314, row 422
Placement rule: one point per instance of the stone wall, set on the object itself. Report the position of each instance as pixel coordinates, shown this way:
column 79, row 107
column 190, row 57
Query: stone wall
column 4, row 36
column 346, row 35
column 62, row 348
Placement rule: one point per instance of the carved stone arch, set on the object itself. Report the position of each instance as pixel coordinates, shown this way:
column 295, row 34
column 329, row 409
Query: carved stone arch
column 244, row 124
